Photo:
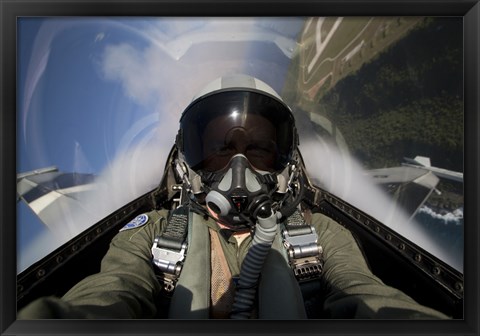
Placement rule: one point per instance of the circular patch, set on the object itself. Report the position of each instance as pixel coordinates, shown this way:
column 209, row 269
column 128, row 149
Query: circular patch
column 136, row 222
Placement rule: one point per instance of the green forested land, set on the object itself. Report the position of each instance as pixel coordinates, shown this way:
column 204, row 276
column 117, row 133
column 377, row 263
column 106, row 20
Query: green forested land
column 406, row 102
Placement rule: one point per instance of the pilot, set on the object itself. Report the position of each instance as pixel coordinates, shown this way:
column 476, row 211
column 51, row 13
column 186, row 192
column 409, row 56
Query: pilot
column 235, row 238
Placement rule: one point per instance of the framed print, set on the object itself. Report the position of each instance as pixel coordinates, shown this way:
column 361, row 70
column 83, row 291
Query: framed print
column 384, row 97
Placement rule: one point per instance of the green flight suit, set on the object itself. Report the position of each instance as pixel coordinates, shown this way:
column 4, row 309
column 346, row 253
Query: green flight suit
column 126, row 286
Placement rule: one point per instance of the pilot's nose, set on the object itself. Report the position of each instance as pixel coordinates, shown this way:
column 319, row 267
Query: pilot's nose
column 238, row 139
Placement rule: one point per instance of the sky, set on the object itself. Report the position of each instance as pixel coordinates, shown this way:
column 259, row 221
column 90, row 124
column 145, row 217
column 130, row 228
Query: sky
column 103, row 96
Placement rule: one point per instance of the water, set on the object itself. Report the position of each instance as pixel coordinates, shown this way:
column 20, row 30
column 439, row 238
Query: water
column 447, row 229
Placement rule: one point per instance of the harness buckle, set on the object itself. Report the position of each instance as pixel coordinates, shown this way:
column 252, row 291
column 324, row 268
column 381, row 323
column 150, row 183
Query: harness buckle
column 168, row 261
column 304, row 254
column 302, row 245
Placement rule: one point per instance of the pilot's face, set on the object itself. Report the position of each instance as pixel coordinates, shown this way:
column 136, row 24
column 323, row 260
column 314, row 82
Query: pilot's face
column 253, row 136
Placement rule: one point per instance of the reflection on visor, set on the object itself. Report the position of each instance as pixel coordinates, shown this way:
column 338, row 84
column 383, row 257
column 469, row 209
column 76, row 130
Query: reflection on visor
column 219, row 126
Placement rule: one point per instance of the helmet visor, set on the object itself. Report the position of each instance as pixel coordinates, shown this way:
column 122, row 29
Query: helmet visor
column 219, row 126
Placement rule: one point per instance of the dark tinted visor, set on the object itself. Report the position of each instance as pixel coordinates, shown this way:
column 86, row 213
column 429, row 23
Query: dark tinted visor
column 215, row 128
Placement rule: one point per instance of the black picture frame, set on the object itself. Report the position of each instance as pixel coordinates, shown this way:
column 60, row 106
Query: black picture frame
column 10, row 10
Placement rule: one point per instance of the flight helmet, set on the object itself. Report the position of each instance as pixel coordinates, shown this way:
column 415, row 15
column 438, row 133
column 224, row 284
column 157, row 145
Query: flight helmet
column 237, row 149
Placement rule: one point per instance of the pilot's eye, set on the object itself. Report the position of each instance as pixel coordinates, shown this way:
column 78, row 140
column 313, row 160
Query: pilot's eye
column 222, row 150
column 225, row 151
column 261, row 149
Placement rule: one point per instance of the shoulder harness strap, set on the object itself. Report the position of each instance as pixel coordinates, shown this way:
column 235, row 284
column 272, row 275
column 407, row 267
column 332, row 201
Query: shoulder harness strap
column 169, row 249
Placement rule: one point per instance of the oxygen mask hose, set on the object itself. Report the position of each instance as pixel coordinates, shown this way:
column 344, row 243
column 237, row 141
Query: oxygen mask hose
column 265, row 231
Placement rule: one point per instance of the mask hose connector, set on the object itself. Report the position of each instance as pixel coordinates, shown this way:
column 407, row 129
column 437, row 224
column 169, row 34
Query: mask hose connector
column 265, row 232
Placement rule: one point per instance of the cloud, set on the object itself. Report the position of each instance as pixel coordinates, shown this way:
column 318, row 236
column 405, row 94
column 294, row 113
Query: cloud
column 132, row 174
column 125, row 64
column 99, row 37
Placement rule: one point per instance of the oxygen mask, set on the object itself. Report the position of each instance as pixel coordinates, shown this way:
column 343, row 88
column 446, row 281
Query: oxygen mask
column 239, row 193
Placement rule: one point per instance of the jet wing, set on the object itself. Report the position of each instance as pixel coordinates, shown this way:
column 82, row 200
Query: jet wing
column 409, row 186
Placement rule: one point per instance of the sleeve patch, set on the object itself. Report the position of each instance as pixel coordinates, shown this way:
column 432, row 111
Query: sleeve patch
column 138, row 221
